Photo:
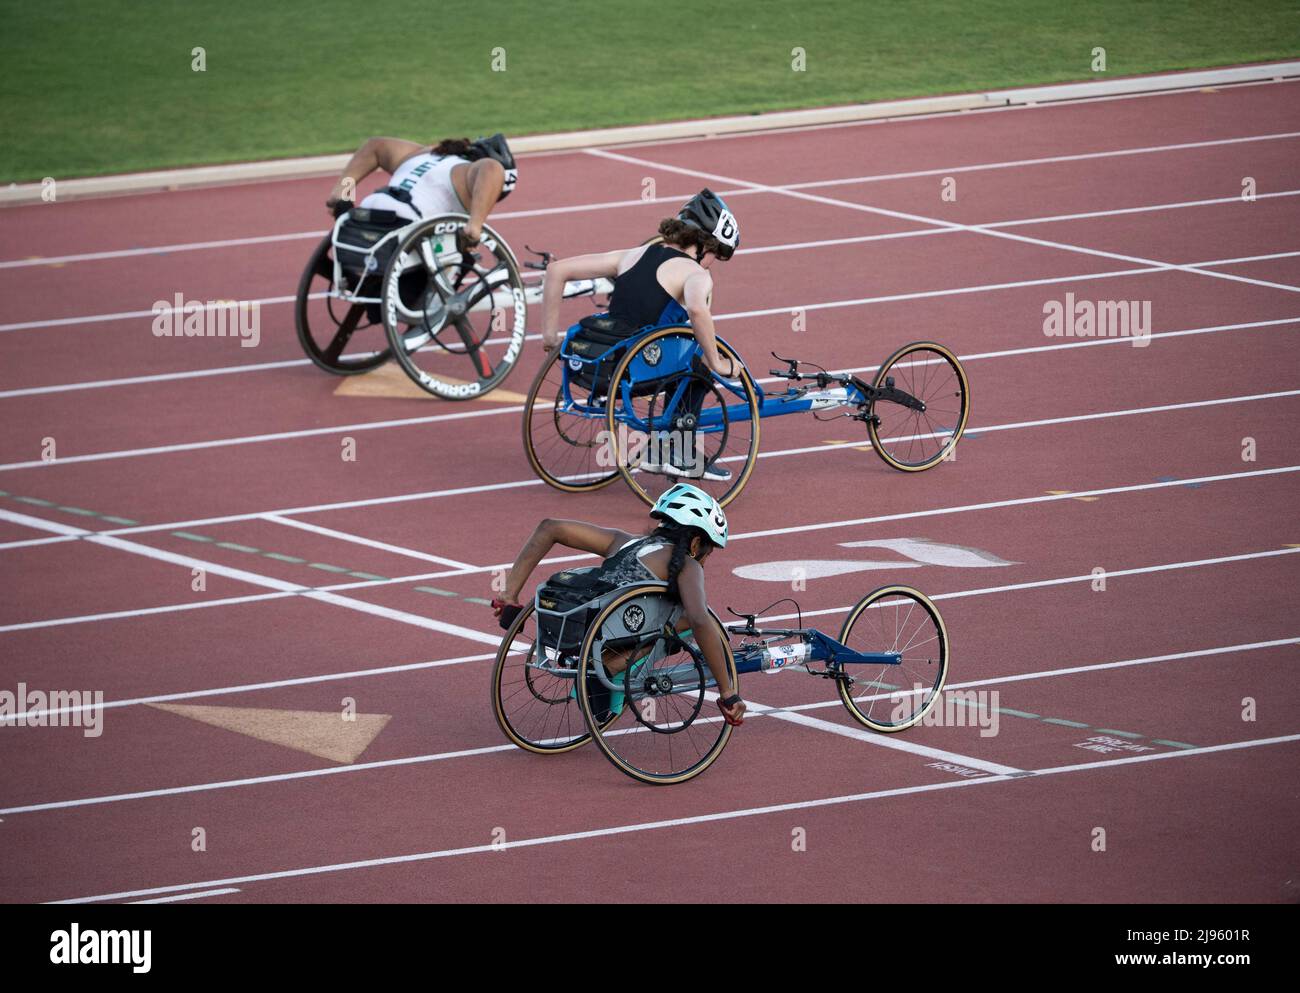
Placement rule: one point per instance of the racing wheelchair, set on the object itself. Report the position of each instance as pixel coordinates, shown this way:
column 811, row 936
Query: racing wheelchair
column 641, row 404
column 556, row 684
column 453, row 317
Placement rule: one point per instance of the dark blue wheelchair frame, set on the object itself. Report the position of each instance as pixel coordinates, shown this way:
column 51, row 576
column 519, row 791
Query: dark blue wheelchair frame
column 681, row 357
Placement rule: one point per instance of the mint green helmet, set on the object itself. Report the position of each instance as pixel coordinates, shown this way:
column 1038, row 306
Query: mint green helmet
column 690, row 505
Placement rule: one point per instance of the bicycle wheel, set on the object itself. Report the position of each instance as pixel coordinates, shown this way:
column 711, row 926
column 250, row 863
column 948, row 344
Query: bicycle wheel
column 563, row 438
column 913, row 437
column 326, row 325
column 671, row 421
column 455, row 321
column 894, row 697
column 667, row 729
column 532, row 699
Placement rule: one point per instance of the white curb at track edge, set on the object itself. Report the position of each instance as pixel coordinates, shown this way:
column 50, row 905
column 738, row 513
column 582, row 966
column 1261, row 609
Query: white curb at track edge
column 325, row 165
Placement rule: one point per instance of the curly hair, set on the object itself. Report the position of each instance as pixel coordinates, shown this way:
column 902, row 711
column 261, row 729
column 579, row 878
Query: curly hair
column 452, row 146
column 682, row 235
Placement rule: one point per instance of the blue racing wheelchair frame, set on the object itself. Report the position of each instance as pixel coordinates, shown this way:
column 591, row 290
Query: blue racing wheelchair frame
column 648, row 408
column 637, row 680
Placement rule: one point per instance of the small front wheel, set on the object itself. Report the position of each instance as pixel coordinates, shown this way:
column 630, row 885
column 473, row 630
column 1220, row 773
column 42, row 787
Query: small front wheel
column 888, row 697
column 922, row 407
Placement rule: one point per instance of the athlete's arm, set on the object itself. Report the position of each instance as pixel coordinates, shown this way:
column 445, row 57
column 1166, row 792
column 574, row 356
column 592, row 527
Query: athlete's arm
column 697, row 296
column 376, row 153
column 558, row 273
column 484, row 179
column 690, row 588
column 575, row 534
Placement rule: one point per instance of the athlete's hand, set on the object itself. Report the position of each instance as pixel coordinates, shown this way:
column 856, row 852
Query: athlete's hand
column 726, row 367
column 734, row 714
column 471, row 234
column 506, row 611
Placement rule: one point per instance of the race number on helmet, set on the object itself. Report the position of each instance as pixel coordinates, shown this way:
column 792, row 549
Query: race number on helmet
column 496, row 148
column 690, row 505
column 708, row 212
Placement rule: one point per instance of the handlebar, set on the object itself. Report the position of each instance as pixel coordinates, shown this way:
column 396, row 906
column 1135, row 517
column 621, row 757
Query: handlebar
column 546, row 257
column 822, row 377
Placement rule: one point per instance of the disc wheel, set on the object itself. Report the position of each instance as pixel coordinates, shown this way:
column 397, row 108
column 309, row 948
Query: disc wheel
column 890, row 698
column 564, row 446
column 327, row 325
column 455, row 320
column 668, row 414
column 668, row 729
column 922, row 431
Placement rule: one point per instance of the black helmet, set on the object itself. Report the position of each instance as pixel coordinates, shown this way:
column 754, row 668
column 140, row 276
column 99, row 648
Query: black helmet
column 496, row 148
column 707, row 211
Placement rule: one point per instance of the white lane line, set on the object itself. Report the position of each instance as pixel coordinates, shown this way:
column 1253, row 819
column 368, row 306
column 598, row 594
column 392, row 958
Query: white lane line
column 1018, row 425
column 726, row 815
column 944, row 227
column 1087, row 577
column 1045, row 160
column 41, row 524
column 486, row 488
column 189, row 446
column 1077, row 669
column 322, row 596
column 1015, row 502
column 494, row 749
column 368, row 542
column 862, row 301
column 161, row 377
column 191, row 896
column 280, row 777
column 792, row 529
column 880, row 740
column 615, row 204
column 918, row 218
column 1138, row 210
column 1078, row 343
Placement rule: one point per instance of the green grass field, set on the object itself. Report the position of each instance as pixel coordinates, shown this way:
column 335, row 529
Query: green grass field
column 98, row 86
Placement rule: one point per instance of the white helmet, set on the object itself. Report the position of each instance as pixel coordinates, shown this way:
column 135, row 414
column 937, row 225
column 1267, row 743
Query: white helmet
column 690, row 505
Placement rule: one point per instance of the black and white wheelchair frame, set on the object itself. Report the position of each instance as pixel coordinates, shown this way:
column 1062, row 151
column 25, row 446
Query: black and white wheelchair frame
column 454, row 320
column 540, row 687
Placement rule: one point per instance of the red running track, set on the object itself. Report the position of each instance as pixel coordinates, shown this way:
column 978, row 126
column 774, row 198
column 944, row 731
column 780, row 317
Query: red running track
column 1162, row 709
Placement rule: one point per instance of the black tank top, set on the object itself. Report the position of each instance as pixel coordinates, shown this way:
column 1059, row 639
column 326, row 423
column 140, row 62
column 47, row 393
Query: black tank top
column 638, row 299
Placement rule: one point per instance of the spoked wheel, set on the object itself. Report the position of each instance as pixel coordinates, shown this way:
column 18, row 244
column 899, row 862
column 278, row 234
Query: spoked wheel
column 455, row 321
column 667, row 729
column 531, row 692
column 671, row 421
column 565, row 439
column 328, row 327
column 895, row 619
column 923, row 411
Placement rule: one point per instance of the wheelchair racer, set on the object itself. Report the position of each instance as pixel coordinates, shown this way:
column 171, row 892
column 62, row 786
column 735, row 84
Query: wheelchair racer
column 660, row 284
column 691, row 525
column 455, row 176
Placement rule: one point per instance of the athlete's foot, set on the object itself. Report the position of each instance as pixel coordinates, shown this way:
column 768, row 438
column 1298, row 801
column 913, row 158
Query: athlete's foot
column 714, row 472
